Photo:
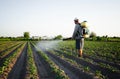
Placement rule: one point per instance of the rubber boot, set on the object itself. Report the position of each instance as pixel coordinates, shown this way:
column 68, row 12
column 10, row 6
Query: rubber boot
column 80, row 52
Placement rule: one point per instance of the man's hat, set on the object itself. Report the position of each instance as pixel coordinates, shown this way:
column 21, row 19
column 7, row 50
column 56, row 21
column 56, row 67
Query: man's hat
column 76, row 19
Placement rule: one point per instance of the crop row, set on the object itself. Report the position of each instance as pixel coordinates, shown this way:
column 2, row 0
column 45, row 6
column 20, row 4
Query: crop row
column 3, row 43
column 93, row 61
column 108, row 51
column 104, row 70
column 8, row 44
column 9, row 50
column 84, row 69
column 58, row 60
column 69, row 66
column 112, row 66
column 59, row 73
column 31, row 69
column 8, row 63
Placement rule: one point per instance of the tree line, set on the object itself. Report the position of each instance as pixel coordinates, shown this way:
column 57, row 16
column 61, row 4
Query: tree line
column 26, row 37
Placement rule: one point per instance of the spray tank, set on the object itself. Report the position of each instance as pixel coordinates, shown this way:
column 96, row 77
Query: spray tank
column 84, row 25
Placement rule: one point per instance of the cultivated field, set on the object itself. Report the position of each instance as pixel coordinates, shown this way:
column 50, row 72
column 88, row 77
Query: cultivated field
column 58, row 60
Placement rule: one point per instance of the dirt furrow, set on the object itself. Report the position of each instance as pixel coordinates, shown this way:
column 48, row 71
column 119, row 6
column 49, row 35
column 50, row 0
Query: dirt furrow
column 102, row 61
column 9, row 48
column 11, row 53
column 42, row 66
column 76, row 71
column 67, row 71
column 97, row 60
column 18, row 71
column 106, row 72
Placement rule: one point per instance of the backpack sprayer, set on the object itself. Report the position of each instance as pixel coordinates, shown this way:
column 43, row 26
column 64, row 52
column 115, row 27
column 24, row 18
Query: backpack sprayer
column 85, row 29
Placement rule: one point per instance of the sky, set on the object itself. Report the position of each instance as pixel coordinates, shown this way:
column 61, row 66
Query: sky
column 56, row 17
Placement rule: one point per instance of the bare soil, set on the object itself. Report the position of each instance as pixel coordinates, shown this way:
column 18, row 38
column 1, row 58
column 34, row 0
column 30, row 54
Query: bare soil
column 105, row 71
column 74, row 72
column 42, row 66
column 8, row 55
column 18, row 71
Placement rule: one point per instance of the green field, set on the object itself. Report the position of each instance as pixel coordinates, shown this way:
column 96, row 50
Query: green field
column 59, row 60
column 105, row 50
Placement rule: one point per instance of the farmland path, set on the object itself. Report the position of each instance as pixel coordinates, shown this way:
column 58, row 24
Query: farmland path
column 18, row 71
column 42, row 67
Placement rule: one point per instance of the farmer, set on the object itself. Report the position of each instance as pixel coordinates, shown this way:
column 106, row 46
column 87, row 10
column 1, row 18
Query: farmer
column 78, row 36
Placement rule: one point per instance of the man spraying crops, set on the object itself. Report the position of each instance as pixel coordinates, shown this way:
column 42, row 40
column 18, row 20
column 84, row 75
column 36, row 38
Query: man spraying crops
column 78, row 36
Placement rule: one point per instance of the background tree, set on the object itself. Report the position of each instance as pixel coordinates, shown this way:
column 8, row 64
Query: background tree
column 92, row 34
column 26, row 35
column 58, row 37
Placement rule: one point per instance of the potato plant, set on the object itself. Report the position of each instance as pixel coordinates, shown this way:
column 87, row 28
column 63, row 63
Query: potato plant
column 9, row 62
column 59, row 74
column 31, row 72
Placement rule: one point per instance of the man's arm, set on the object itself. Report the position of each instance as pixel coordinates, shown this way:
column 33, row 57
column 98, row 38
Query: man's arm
column 75, row 31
